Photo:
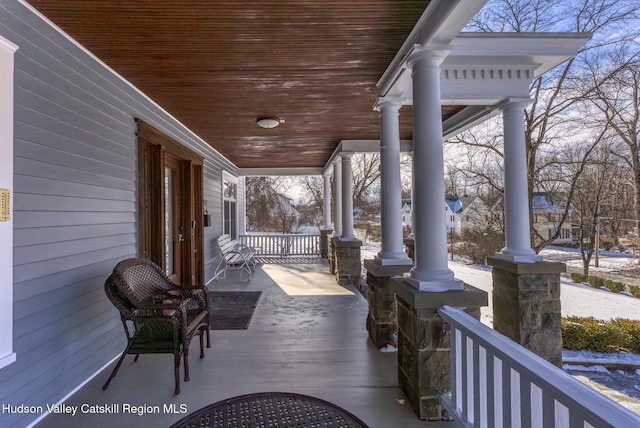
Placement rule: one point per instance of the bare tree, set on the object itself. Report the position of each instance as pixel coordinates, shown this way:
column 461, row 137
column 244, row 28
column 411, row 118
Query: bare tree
column 555, row 94
column 268, row 208
column 618, row 102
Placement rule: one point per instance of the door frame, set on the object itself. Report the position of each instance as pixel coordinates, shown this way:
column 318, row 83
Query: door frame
column 153, row 146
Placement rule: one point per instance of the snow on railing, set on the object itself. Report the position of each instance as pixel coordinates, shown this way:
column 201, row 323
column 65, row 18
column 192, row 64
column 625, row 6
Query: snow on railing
column 498, row 383
column 283, row 245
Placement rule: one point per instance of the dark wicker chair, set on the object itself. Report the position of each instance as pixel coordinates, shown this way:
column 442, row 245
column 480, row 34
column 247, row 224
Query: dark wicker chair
column 158, row 316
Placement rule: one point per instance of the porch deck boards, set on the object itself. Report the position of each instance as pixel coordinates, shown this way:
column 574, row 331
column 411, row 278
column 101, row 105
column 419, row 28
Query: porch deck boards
column 315, row 345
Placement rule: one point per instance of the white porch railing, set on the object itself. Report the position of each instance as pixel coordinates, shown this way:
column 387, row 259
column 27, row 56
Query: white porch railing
column 497, row 383
column 283, row 245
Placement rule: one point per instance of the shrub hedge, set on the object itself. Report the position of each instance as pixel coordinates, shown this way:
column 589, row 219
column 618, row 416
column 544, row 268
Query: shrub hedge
column 614, row 286
column 580, row 333
column 597, row 282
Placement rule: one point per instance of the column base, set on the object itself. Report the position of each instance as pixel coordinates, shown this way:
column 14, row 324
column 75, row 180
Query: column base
column 399, row 261
column 424, row 367
column 519, row 258
column 382, row 320
column 526, row 305
column 437, row 286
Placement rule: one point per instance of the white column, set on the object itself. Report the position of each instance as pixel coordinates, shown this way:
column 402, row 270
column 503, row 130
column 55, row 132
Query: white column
column 347, row 198
column 392, row 251
column 516, row 193
column 326, row 209
column 337, row 197
column 431, row 271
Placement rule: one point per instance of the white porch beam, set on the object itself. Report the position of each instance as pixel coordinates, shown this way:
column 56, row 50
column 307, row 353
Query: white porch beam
column 486, row 68
column 269, row 172
column 441, row 21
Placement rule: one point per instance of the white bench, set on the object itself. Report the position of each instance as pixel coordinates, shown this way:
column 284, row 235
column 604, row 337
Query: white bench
column 234, row 256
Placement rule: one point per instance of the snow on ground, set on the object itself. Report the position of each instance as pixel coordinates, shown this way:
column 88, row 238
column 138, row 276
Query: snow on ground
column 576, row 299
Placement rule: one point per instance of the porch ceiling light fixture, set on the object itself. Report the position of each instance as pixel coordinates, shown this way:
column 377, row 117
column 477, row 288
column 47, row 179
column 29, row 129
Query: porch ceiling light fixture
column 269, row 122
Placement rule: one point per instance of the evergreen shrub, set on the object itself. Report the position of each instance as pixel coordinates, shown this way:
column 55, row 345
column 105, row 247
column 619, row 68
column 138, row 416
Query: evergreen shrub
column 596, row 281
column 614, row 286
column 588, row 333
column 577, row 277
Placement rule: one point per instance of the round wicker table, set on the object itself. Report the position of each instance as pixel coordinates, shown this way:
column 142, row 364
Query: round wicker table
column 271, row 409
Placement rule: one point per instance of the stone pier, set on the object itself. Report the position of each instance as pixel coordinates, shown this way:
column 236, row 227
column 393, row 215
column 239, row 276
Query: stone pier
column 382, row 321
column 325, row 237
column 424, row 368
column 526, row 305
column 345, row 263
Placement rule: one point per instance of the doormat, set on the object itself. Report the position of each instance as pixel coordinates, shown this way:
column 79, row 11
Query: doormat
column 232, row 310
column 271, row 409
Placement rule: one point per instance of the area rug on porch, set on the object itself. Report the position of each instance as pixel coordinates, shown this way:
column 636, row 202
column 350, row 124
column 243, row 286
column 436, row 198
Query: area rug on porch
column 271, row 409
column 232, row 310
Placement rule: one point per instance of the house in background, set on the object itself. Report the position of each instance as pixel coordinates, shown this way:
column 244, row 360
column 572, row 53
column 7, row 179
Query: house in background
column 461, row 213
column 476, row 213
column 548, row 209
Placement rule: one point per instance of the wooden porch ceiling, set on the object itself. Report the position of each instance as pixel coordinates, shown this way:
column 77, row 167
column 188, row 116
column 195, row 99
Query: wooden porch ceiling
column 219, row 65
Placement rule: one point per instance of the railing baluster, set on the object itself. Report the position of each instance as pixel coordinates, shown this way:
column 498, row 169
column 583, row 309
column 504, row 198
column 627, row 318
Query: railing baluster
column 455, row 363
column 464, row 376
column 490, row 390
column 498, row 383
column 537, row 407
column 283, row 244
column 483, row 396
column 477, row 395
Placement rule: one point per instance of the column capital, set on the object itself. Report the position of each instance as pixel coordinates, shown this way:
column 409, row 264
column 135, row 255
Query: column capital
column 394, row 103
column 432, row 55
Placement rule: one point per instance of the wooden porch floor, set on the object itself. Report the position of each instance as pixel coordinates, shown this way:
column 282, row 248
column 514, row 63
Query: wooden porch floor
column 310, row 344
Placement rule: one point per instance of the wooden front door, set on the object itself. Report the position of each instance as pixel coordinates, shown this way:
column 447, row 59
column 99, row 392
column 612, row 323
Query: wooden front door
column 170, row 206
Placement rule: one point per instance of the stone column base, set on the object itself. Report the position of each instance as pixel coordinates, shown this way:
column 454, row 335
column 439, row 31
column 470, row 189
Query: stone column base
column 325, row 237
column 347, row 264
column 424, row 367
column 382, row 321
column 526, row 305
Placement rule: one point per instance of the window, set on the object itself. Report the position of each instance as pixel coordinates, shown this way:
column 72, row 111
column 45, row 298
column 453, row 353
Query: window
column 230, row 205
column 7, row 50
